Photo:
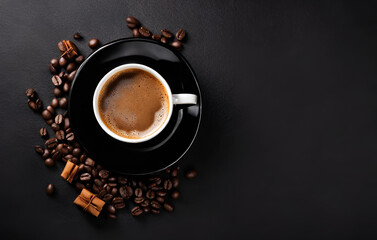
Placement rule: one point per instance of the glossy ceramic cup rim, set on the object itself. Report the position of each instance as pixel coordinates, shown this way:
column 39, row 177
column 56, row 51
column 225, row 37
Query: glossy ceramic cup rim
column 107, row 77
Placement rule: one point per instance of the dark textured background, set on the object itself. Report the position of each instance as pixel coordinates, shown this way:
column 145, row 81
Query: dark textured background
column 288, row 143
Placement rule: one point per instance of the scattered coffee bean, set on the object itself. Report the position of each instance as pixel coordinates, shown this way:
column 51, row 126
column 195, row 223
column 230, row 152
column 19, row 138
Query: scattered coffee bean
column 71, row 76
column 63, row 102
column 132, row 22
column 138, row 192
column 55, row 127
column 77, row 36
column 155, row 204
column 104, row 173
column 59, row 119
column 46, row 114
column 76, row 152
column 70, row 136
column 175, row 182
column 30, row 93
column 80, row 59
column 168, row 207
column 136, row 211
column 160, row 199
column 126, row 192
column 71, row 67
column 43, row 132
column 114, row 191
column 161, row 193
column 49, row 162
column 38, row 102
column 177, row 45
column 144, row 32
column 57, row 92
column 190, row 174
column 138, row 200
column 136, row 33
column 54, row 62
column 156, row 37
column 49, row 121
column 46, row 154
column 60, row 135
column 181, row 34
column 146, row 209
column 155, row 211
column 107, row 197
column 174, row 172
column 54, row 103
column 56, row 80
column 168, row 184
column 93, row 43
column 66, row 87
column 50, row 189
column 50, row 109
column 90, row 162
column 166, row 33
column 38, row 149
column 175, row 194
column 51, row 143
column 63, row 62
column 32, row 105
column 53, row 70
column 164, row 40
column 111, row 216
column 85, row 177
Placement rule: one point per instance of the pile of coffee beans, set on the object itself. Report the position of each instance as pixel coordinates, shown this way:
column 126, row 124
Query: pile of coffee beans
column 165, row 36
column 143, row 194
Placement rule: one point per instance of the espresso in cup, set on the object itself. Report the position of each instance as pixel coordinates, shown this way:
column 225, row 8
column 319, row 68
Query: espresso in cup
column 133, row 103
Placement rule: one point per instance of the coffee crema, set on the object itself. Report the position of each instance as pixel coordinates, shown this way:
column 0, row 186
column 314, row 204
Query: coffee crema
column 133, row 103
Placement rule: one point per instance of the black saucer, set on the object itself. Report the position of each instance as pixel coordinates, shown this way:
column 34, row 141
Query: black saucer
column 137, row 158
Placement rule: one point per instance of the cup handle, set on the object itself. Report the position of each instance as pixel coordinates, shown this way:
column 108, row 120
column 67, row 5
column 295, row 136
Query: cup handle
column 184, row 98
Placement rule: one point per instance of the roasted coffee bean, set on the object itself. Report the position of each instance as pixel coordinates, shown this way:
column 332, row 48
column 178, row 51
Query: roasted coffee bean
column 144, row 32
column 112, row 179
column 164, row 40
column 39, row 104
column 66, row 87
column 54, row 62
column 175, row 194
column 107, row 197
column 66, row 123
column 136, row 33
column 49, row 162
column 49, row 121
column 121, row 180
column 46, row 154
column 160, row 199
column 142, row 185
column 93, row 43
column 57, row 92
column 155, row 211
column 136, row 211
column 70, row 149
column 155, row 204
column 156, row 37
column 80, row 59
column 59, row 119
column 138, row 192
column 79, row 186
column 161, row 193
column 61, row 75
column 98, row 182
column 81, row 167
column 54, row 103
column 63, row 62
column 132, row 22
column 168, row 184
column 138, row 200
column 156, row 180
column 63, row 102
column 43, row 132
column 156, row 188
column 108, row 188
column 90, row 162
column 177, row 45
column 175, row 182
column 126, row 192
column 150, row 194
column 190, row 174
column 110, row 209
column 50, row 189
column 50, row 109
column 70, row 67
column 67, row 157
column 38, row 149
column 30, row 93
column 75, row 160
column 46, row 114
column 76, row 152
column 95, row 189
column 168, row 207
column 117, row 200
column 85, row 177
column 70, row 136
column 104, row 173
column 114, row 191
column 56, row 80
column 166, row 33
column 32, row 105
column 87, row 168
column 112, row 184
column 112, row 216
column 145, row 203
column 181, row 34
column 83, row 157
column 174, row 172
column 77, row 36
column 60, row 135
column 53, row 70
column 71, row 76
column 134, row 183
column 51, row 143
column 56, row 156
column 55, row 127
column 146, row 209
column 63, row 149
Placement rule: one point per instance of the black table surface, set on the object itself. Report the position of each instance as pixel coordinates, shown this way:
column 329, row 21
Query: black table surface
column 287, row 148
